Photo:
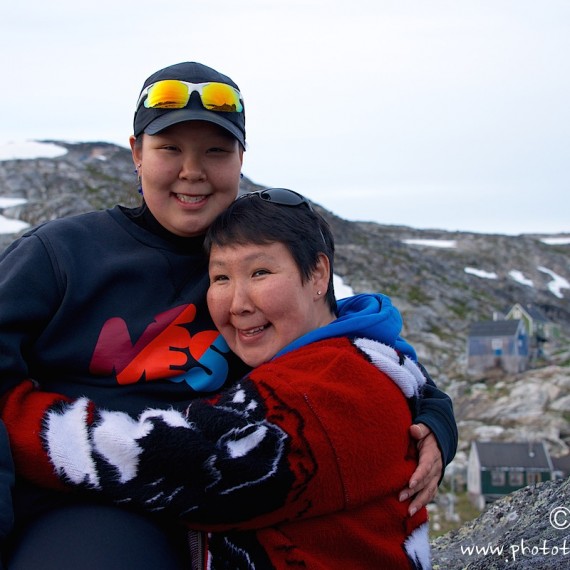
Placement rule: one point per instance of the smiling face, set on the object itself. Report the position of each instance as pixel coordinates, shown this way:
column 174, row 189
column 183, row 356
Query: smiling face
column 189, row 172
column 258, row 301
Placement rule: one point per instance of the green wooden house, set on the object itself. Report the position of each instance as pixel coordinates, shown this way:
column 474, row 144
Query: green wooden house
column 539, row 328
column 496, row 469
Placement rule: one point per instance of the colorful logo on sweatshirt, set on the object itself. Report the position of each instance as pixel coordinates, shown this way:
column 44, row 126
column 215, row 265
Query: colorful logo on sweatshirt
column 165, row 350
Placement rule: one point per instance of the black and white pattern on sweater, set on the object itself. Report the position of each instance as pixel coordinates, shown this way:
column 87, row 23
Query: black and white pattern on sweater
column 124, row 457
column 400, row 368
column 116, row 453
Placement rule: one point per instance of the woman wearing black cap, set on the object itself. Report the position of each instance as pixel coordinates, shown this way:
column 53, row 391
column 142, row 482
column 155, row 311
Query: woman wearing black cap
column 111, row 305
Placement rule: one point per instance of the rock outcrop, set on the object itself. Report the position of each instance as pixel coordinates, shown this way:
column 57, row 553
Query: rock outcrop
column 527, row 530
column 533, row 405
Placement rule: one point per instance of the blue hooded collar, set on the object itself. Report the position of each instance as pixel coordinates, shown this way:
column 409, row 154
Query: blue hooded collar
column 361, row 316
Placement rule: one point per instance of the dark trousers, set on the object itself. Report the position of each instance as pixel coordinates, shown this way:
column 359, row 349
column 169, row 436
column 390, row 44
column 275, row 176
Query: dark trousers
column 98, row 537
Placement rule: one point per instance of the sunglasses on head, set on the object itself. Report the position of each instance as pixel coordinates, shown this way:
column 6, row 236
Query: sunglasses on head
column 175, row 94
column 280, row 196
column 283, row 197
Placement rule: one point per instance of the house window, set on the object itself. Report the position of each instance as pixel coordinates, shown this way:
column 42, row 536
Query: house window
column 497, row 478
column 533, row 478
column 497, row 344
column 516, row 478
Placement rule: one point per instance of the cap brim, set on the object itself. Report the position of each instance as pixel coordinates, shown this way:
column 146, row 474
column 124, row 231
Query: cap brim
column 182, row 115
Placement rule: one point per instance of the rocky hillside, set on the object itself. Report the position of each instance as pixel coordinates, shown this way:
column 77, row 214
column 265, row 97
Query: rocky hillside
column 441, row 281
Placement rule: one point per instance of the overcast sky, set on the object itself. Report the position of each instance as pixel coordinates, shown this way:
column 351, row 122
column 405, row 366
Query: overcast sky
column 429, row 113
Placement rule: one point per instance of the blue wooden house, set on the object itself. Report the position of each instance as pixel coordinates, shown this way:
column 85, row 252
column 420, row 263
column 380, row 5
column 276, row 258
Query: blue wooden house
column 500, row 344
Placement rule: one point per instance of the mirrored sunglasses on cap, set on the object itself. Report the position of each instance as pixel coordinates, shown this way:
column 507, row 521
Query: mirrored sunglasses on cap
column 175, row 94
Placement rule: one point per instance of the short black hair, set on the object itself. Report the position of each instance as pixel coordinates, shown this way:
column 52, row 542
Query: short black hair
column 302, row 230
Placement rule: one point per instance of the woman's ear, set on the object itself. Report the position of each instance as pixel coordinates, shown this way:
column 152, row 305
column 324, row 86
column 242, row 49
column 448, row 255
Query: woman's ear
column 136, row 150
column 321, row 275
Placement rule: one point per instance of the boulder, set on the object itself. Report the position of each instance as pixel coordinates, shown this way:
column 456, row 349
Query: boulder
column 528, row 529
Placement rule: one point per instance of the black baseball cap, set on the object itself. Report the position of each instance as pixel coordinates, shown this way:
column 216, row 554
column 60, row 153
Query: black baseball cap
column 152, row 121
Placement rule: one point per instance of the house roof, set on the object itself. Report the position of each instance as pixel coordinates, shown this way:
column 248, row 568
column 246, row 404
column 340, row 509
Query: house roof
column 534, row 312
column 527, row 454
column 562, row 463
column 494, row 328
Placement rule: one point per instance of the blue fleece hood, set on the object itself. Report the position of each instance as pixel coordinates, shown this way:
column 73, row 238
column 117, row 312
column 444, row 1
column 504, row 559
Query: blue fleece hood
column 367, row 315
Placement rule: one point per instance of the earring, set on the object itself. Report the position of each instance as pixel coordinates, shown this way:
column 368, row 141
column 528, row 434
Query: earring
column 139, row 189
column 319, row 292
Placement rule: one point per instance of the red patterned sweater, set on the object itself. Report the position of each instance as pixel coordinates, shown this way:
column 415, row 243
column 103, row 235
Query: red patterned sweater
column 298, row 465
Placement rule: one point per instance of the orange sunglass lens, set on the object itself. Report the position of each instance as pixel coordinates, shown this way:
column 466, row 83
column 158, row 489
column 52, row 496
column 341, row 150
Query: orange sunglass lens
column 221, row 97
column 167, row 94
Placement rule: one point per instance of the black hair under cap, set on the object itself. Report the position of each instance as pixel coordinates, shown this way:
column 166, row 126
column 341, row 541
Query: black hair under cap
column 152, row 121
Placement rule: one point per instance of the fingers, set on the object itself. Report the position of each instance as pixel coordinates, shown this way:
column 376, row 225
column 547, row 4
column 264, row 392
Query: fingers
column 430, row 463
column 420, row 500
column 424, row 481
column 423, row 473
column 419, row 431
column 422, row 489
